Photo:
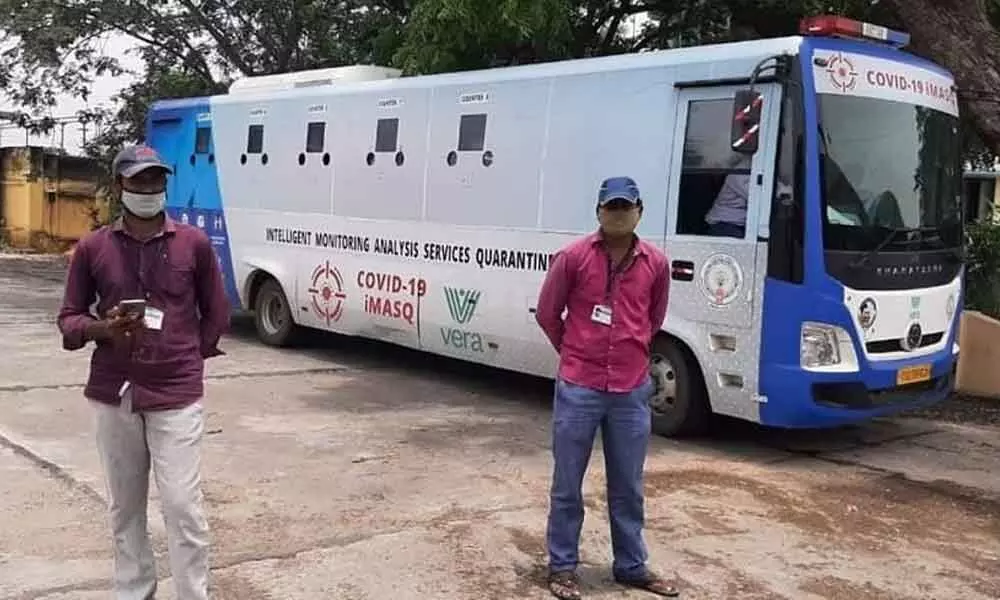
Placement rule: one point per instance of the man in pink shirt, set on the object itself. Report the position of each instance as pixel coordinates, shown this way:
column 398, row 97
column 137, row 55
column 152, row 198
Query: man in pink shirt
column 613, row 287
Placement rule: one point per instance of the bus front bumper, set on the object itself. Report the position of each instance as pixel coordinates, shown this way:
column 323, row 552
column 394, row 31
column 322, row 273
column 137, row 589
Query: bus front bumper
column 803, row 399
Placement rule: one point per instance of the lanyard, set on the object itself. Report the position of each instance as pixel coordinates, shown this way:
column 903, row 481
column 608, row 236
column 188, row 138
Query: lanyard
column 626, row 262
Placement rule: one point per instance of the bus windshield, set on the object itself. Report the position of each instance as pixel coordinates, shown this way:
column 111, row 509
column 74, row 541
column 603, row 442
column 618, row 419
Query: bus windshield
column 888, row 167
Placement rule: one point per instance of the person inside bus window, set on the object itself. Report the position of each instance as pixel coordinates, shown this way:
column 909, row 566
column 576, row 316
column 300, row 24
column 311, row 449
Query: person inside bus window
column 885, row 211
column 844, row 206
column 856, row 174
column 728, row 215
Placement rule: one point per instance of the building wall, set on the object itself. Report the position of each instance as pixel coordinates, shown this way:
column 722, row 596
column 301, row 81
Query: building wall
column 979, row 355
column 995, row 208
column 981, row 195
column 46, row 199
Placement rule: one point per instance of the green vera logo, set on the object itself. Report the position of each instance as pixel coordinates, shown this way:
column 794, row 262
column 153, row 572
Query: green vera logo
column 462, row 305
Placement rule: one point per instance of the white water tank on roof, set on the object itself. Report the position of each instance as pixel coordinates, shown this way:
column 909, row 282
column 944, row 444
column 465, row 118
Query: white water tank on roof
column 315, row 77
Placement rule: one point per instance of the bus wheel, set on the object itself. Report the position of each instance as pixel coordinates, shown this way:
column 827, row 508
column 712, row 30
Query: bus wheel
column 273, row 315
column 679, row 405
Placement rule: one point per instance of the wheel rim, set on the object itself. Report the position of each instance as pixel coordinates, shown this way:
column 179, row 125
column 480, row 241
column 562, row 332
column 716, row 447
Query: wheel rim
column 665, row 379
column 272, row 314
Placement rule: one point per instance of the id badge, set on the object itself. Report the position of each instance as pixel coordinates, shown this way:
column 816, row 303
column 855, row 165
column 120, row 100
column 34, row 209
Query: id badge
column 601, row 314
column 153, row 318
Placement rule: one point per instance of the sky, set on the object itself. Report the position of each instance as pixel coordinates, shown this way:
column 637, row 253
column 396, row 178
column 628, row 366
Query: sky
column 103, row 90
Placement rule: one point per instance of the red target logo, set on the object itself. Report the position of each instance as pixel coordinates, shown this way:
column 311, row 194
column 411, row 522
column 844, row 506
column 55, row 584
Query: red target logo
column 842, row 72
column 327, row 293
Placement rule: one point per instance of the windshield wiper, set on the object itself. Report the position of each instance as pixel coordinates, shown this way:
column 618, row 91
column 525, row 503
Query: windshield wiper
column 956, row 254
column 888, row 240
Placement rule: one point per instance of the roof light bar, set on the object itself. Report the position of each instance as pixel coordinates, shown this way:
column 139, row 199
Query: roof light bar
column 834, row 26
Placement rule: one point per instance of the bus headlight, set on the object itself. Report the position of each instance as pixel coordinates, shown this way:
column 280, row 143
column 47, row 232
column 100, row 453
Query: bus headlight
column 826, row 347
column 950, row 307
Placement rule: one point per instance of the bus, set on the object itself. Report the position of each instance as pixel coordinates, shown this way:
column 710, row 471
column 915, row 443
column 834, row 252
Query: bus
column 424, row 211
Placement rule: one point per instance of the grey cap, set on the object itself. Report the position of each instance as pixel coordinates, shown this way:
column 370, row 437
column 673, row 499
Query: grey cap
column 135, row 159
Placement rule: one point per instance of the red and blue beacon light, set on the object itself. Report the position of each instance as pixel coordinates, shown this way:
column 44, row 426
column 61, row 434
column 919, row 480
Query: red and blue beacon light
column 842, row 27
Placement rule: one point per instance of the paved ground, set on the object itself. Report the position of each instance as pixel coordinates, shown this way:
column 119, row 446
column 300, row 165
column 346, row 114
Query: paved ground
column 351, row 470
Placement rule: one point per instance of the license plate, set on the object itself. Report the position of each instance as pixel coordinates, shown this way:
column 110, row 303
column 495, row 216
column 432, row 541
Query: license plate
column 914, row 374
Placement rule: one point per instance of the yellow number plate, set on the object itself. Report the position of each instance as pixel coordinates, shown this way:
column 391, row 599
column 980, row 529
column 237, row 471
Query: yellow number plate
column 914, row 374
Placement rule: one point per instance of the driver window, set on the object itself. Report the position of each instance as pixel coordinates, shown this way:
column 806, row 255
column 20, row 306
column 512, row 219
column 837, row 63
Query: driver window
column 714, row 180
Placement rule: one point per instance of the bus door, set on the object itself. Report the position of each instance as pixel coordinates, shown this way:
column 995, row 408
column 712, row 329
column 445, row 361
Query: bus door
column 719, row 205
column 718, row 211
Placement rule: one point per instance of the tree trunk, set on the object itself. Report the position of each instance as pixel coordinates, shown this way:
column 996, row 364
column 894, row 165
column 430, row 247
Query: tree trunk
column 957, row 34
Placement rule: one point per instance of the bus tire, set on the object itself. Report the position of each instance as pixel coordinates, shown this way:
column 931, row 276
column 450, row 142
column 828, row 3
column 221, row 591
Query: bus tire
column 273, row 315
column 679, row 406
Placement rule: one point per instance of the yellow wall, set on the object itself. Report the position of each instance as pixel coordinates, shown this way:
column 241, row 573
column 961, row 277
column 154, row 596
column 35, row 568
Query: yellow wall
column 44, row 209
column 979, row 354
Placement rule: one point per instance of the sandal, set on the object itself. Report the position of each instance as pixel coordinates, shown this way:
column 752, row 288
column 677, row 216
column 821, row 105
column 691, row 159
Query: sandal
column 564, row 585
column 651, row 583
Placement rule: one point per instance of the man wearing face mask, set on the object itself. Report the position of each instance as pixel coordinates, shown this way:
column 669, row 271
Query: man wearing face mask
column 146, row 376
column 613, row 287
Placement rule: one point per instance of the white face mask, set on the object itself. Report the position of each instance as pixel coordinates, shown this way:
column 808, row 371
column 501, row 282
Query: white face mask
column 144, row 206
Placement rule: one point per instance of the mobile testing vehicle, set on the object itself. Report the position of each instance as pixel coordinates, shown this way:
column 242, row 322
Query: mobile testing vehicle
column 424, row 211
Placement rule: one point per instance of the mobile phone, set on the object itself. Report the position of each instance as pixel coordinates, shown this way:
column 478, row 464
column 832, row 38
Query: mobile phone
column 135, row 308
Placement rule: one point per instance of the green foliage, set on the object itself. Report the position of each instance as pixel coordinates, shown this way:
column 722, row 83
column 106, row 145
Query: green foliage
column 457, row 35
column 983, row 275
column 55, row 47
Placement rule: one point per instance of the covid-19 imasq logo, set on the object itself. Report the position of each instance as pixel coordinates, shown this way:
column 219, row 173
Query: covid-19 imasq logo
column 327, row 293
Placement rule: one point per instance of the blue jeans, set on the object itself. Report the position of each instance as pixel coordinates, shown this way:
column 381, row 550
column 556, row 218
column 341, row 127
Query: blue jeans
column 624, row 420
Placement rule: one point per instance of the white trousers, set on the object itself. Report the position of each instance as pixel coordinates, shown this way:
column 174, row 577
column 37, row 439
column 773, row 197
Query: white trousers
column 169, row 441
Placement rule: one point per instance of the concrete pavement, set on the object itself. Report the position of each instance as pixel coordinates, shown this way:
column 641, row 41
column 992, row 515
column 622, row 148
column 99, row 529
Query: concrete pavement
column 355, row 470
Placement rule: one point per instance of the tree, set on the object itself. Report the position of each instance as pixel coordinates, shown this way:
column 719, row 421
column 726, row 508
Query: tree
column 983, row 275
column 53, row 46
column 187, row 48
column 465, row 34
column 450, row 35
column 962, row 36
column 457, row 35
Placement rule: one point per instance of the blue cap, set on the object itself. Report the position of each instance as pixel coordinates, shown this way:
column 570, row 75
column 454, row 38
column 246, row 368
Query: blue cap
column 135, row 159
column 618, row 188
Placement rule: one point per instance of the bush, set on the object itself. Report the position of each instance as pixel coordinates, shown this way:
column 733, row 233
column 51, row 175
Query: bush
column 982, row 292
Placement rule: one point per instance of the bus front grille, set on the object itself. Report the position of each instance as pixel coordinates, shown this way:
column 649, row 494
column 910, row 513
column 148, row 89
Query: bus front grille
column 896, row 345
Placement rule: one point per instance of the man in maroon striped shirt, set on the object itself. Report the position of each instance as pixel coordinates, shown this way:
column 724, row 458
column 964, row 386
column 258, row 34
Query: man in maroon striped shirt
column 146, row 375
column 613, row 288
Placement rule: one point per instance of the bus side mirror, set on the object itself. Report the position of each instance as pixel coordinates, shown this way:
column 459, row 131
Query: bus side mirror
column 745, row 133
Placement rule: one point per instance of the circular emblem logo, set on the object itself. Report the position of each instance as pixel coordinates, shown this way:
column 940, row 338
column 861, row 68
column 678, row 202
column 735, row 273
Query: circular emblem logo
column 721, row 279
column 914, row 335
column 327, row 293
column 867, row 313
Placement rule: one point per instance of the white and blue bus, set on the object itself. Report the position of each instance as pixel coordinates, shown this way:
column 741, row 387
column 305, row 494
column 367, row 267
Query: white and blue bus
column 424, row 211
